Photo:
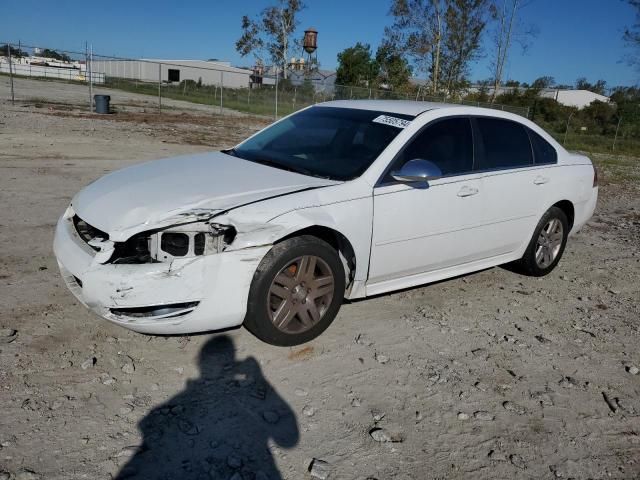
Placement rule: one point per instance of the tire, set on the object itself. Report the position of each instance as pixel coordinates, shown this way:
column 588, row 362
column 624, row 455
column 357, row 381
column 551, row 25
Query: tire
column 551, row 252
column 289, row 303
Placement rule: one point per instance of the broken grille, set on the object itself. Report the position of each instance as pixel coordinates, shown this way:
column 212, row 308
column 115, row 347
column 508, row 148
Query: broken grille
column 88, row 232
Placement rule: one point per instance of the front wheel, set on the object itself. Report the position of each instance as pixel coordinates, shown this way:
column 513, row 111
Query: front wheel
column 547, row 244
column 296, row 291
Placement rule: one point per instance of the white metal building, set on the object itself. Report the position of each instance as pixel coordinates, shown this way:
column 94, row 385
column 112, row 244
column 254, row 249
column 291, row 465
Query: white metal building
column 175, row 71
column 574, row 98
column 566, row 97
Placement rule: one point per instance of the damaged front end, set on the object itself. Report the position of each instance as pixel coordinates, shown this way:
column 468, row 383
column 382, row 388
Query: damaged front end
column 183, row 241
column 176, row 278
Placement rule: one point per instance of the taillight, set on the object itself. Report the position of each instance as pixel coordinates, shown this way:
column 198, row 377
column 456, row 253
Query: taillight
column 595, row 177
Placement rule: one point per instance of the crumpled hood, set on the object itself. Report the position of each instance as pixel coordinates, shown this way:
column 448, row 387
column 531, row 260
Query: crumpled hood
column 173, row 190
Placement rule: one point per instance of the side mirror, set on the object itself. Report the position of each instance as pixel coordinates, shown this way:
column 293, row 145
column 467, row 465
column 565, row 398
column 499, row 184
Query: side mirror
column 417, row 170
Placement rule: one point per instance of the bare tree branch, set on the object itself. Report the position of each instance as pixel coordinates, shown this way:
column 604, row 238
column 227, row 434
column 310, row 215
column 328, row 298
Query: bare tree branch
column 272, row 33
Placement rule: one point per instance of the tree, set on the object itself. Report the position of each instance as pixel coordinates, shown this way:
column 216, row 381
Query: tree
column 393, row 69
column 15, row 52
column 627, row 100
column 465, row 22
column 508, row 29
column 599, row 87
column 543, row 82
column 272, row 33
column 417, row 31
column 356, row 67
column 48, row 53
column 632, row 36
column 441, row 37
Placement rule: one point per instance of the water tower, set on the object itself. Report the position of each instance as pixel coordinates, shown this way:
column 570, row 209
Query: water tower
column 310, row 45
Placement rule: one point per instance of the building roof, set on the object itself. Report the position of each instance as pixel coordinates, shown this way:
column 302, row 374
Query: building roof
column 201, row 64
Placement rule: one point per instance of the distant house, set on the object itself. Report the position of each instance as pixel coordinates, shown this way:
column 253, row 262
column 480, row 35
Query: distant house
column 574, row 98
column 567, row 97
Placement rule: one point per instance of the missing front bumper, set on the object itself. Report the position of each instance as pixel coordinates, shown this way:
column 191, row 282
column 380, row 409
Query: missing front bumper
column 155, row 311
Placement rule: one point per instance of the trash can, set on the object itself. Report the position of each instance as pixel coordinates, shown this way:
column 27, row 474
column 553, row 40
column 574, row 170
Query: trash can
column 102, row 103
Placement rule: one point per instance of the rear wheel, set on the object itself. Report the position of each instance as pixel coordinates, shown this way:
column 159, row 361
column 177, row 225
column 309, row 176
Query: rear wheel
column 547, row 244
column 296, row 291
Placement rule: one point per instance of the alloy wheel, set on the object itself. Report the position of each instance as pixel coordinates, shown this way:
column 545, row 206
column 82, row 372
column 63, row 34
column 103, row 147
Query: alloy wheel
column 549, row 243
column 300, row 294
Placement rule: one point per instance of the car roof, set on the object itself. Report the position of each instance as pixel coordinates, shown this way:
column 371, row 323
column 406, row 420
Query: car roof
column 415, row 108
column 406, row 107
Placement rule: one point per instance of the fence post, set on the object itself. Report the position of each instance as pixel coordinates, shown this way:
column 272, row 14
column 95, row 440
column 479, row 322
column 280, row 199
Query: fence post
column 91, row 78
column 86, row 72
column 566, row 132
column 160, row 87
column 13, row 98
column 276, row 92
column 221, row 87
column 613, row 148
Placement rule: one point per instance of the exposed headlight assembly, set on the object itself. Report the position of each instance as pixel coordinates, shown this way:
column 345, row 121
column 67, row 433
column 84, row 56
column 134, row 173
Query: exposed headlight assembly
column 184, row 241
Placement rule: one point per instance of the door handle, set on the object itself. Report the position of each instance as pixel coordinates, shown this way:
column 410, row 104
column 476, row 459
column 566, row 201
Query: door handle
column 467, row 191
column 540, row 180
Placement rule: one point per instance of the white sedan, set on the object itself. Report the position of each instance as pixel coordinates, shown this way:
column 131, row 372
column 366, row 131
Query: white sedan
column 344, row 199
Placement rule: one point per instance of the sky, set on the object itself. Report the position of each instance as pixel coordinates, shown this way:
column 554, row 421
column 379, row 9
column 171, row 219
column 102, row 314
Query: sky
column 575, row 38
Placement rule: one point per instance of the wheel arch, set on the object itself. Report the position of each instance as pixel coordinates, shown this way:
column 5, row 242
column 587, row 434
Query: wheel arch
column 565, row 205
column 337, row 240
column 569, row 210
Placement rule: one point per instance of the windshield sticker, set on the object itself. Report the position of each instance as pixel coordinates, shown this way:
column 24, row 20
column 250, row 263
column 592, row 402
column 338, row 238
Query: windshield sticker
column 393, row 121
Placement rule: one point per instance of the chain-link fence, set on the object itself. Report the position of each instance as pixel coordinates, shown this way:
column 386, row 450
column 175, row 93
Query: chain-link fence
column 74, row 77
column 611, row 129
column 216, row 86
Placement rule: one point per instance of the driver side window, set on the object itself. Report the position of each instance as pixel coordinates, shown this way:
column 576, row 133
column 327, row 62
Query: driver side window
column 447, row 143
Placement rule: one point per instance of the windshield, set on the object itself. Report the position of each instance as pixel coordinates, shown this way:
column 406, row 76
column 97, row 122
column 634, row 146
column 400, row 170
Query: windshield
column 328, row 142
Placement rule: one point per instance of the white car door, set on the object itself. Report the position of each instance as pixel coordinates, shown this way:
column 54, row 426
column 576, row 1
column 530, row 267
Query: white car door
column 514, row 186
column 419, row 228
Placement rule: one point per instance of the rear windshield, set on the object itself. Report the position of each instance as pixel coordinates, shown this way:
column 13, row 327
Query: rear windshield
column 328, row 142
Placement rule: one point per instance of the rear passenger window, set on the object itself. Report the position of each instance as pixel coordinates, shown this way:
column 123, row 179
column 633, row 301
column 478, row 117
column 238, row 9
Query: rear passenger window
column 447, row 143
column 504, row 144
column 543, row 152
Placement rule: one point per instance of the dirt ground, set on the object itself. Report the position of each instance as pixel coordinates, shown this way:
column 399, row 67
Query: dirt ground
column 491, row 375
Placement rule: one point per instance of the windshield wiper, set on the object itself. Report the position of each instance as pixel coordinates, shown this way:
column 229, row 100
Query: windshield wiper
column 289, row 168
column 230, row 151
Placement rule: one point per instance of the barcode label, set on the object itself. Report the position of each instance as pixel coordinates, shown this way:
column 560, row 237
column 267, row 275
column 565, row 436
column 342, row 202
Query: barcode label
column 393, row 121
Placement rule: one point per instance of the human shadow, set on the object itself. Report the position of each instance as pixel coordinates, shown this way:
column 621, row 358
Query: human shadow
column 218, row 427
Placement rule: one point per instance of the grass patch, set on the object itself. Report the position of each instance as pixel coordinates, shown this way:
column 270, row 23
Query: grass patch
column 252, row 101
column 617, row 169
